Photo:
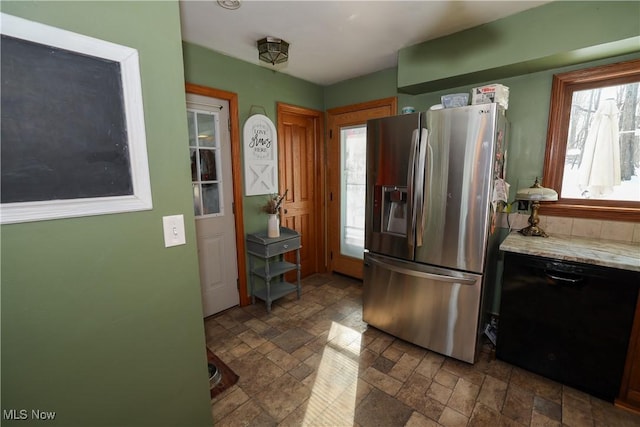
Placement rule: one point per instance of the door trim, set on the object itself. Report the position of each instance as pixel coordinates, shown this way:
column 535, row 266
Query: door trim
column 319, row 170
column 236, row 170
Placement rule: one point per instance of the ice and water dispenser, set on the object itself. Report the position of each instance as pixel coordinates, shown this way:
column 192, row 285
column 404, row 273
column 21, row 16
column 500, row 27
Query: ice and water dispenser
column 394, row 210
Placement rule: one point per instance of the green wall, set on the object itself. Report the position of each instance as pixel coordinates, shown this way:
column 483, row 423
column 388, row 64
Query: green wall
column 378, row 85
column 258, row 89
column 553, row 35
column 100, row 322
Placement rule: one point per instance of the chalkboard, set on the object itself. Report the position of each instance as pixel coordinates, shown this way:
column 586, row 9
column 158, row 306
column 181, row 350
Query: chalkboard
column 64, row 133
column 73, row 140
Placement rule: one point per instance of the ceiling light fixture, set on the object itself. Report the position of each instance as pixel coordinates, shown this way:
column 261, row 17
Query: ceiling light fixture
column 273, row 50
column 229, row 4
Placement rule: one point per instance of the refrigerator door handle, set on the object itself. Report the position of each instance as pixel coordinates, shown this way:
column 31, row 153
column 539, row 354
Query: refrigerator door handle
column 419, row 188
column 422, row 274
column 411, row 236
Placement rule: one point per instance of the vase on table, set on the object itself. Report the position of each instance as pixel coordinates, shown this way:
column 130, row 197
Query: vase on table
column 273, row 226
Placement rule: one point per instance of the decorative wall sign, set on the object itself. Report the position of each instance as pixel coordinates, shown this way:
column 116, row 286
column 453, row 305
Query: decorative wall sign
column 260, row 156
column 73, row 132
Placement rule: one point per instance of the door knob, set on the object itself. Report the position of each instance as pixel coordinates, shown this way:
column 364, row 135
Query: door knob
column 286, row 211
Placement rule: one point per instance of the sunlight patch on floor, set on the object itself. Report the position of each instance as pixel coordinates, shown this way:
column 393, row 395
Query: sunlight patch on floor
column 333, row 395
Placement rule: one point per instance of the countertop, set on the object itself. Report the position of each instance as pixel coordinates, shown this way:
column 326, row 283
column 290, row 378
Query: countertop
column 607, row 253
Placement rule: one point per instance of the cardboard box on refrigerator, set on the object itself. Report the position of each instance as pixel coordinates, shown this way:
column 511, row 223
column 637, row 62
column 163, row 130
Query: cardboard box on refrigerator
column 490, row 93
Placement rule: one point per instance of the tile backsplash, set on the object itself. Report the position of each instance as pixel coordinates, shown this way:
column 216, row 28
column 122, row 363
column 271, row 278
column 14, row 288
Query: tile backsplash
column 579, row 227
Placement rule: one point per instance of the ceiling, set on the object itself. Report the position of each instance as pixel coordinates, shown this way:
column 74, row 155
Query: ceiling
column 332, row 41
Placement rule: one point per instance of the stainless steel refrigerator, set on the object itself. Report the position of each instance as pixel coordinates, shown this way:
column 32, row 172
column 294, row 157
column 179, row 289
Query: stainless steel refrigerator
column 429, row 226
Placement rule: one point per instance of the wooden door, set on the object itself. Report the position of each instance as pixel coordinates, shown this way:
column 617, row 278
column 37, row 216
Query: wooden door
column 345, row 247
column 300, row 159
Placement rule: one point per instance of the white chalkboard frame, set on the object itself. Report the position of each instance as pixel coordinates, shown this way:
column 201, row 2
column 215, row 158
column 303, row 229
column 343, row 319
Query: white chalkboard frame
column 134, row 117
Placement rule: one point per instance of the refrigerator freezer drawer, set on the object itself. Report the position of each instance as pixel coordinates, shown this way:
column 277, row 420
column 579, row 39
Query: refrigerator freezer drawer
column 432, row 307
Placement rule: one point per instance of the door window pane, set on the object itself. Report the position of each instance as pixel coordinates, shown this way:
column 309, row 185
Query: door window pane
column 197, row 203
column 194, row 164
column 204, row 152
column 207, row 165
column 210, row 199
column 353, row 147
column 191, row 122
column 207, row 130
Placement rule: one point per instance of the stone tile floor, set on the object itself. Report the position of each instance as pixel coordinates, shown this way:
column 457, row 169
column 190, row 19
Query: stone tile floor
column 314, row 362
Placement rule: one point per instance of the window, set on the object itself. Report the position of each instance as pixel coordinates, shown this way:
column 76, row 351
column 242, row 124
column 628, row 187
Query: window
column 593, row 143
column 353, row 181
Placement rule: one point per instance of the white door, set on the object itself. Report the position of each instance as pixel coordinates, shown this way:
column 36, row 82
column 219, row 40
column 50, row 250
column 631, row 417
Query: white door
column 212, row 185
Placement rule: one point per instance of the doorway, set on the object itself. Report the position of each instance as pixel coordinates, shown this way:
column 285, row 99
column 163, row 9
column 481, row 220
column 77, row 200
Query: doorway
column 300, row 171
column 346, row 166
column 217, row 197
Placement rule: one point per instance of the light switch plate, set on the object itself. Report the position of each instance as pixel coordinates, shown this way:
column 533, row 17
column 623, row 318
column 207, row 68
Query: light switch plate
column 173, row 227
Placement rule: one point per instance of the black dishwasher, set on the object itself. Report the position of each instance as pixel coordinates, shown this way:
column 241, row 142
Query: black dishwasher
column 567, row 321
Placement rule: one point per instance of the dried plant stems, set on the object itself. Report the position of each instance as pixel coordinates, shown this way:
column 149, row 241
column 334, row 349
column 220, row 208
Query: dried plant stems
column 274, row 202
